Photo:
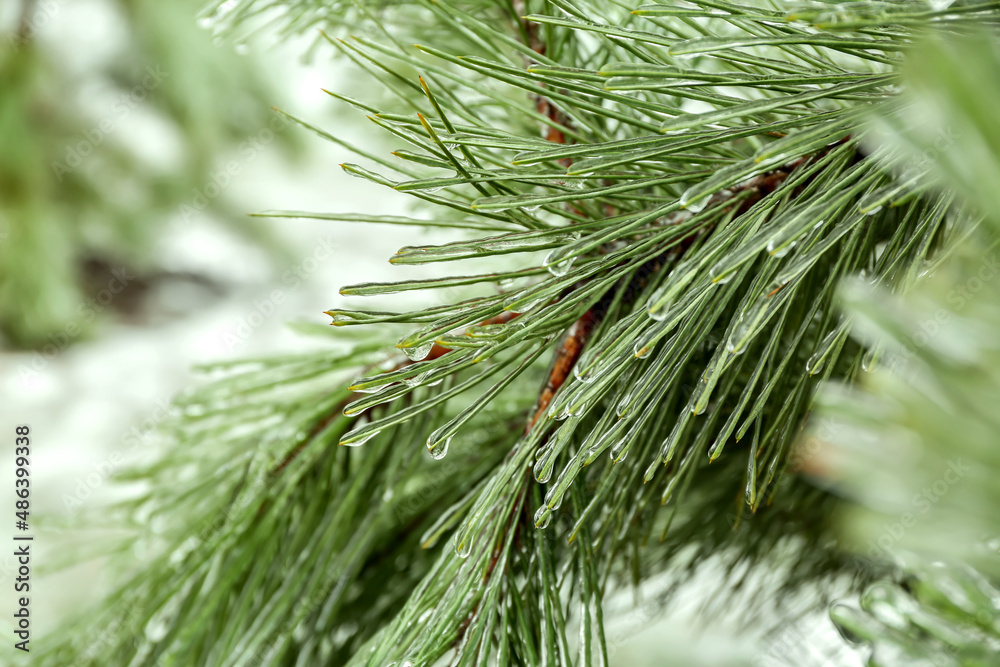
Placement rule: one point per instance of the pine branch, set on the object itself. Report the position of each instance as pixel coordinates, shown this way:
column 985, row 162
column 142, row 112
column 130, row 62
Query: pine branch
column 686, row 298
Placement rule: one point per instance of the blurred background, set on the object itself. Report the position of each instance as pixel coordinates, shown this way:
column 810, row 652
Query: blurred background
column 135, row 146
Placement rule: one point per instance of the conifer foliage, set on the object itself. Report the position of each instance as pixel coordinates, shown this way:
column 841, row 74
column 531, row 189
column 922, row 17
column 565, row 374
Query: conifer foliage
column 665, row 198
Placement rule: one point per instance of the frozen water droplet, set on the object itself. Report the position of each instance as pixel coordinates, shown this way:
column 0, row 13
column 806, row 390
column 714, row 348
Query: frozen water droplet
column 356, row 441
column 463, row 549
column 642, row 351
column 156, row 630
column 777, row 248
column 543, row 470
column 736, row 344
column 439, row 449
column 690, row 201
column 584, row 375
column 815, row 363
column 181, row 552
column 780, row 251
column 419, row 352
column 871, row 359
column 660, row 314
column 720, row 274
column 556, row 266
column 194, row 410
column 620, row 450
column 530, row 302
column 374, row 389
column 724, row 278
column 416, row 379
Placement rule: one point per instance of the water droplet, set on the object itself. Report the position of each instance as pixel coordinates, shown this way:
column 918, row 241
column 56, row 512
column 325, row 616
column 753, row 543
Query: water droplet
column 641, row 351
column 585, row 375
column 543, row 517
column 620, row 450
column 416, row 379
column 818, row 359
column 781, row 250
column 543, row 469
column 340, row 319
column 691, row 201
column 181, row 552
column 779, row 244
column 194, row 410
column 557, row 267
column 156, row 630
column 554, row 496
column 871, row 359
column 374, row 389
column 736, row 344
column 720, row 274
column 529, row 303
column 464, row 548
column 659, row 314
column 701, row 395
column 419, row 352
column 204, row 22
column 241, row 48
column 350, row 440
column 439, row 449
column 815, row 363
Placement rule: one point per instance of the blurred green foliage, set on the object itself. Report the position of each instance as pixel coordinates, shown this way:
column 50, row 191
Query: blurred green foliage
column 80, row 195
column 915, row 444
